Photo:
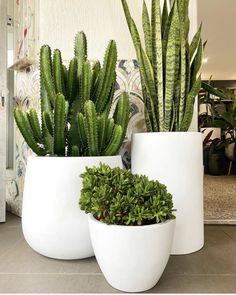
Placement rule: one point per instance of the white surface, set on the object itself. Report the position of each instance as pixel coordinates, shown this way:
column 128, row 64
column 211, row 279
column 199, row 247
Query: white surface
column 53, row 224
column 219, row 23
column 101, row 21
column 175, row 159
column 132, row 258
column 206, row 130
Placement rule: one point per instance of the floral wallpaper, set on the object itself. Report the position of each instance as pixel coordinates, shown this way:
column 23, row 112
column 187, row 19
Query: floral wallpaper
column 27, row 96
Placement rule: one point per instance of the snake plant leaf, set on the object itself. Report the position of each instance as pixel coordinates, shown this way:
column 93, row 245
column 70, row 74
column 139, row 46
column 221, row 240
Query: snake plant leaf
column 147, row 31
column 148, row 120
column 34, row 123
column 59, row 125
column 73, row 79
column 171, row 58
column 158, row 59
column 48, row 122
column 189, row 108
column 91, row 127
column 58, row 72
column 195, row 42
column 115, row 142
column 25, row 129
column 46, row 72
column 196, row 64
column 106, row 76
column 164, row 18
column 213, row 91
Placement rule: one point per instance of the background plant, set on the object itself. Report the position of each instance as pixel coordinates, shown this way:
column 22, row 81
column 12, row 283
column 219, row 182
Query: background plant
column 116, row 196
column 75, row 105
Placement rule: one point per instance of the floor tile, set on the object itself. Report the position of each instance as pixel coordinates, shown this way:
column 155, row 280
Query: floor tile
column 54, row 284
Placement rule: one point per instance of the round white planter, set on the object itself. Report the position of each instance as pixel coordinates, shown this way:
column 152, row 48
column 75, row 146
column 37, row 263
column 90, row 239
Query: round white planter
column 53, row 224
column 132, row 258
column 176, row 160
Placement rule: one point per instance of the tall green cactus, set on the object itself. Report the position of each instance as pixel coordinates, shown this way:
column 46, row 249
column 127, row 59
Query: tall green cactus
column 169, row 65
column 75, row 106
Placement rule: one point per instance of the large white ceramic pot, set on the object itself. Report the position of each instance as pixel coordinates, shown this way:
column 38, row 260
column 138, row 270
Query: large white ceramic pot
column 132, row 258
column 176, row 160
column 53, row 224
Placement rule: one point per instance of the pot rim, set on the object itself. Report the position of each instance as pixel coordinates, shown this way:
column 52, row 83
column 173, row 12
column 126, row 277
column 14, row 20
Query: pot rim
column 168, row 133
column 130, row 227
column 67, row 157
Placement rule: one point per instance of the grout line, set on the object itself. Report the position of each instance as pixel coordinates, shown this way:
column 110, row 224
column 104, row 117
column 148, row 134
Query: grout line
column 228, row 235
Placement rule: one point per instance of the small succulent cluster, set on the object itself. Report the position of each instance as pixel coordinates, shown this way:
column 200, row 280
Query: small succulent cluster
column 116, row 196
column 75, row 106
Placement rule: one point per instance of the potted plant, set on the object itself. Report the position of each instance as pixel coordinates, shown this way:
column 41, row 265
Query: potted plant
column 131, row 224
column 75, row 131
column 169, row 70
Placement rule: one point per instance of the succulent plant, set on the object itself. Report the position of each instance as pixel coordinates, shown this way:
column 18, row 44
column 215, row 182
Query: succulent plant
column 75, row 105
column 169, row 65
column 116, row 196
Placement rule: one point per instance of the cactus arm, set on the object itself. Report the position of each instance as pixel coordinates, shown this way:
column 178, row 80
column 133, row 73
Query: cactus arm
column 91, row 128
column 147, row 31
column 109, row 130
column 86, row 82
column 81, row 130
column 158, row 61
column 72, row 83
column 95, row 74
column 59, row 125
column 46, row 72
column 25, row 129
column 75, row 151
column 106, row 76
column 34, row 123
column 48, row 122
column 107, row 108
column 188, row 114
column 101, row 131
column 121, row 115
column 115, row 142
column 58, row 72
column 80, row 51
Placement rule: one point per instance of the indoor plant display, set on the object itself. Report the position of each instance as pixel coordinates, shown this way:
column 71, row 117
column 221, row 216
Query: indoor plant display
column 169, row 70
column 75, row 131
column 131, row 226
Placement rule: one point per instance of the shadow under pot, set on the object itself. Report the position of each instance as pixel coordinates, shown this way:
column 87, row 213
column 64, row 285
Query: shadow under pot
column 53, row 224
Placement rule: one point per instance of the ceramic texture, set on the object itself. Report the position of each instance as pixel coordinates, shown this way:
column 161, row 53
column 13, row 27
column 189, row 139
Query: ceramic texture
column 176, row 160
column 132, row 258
column 53, row 224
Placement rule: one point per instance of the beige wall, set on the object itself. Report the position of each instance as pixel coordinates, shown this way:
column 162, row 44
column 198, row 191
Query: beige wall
column 101, row 20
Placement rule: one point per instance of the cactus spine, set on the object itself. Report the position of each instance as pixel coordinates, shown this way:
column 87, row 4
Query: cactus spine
column 75, row 106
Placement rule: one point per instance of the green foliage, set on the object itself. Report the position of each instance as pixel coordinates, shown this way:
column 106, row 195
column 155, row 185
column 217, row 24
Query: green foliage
column 75, row 105
column 116, row 196
column 169, row 65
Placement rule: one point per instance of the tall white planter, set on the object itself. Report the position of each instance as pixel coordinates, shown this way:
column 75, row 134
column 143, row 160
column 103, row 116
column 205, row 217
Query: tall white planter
column 53, row 224
column 132, row 258
column 175, row 159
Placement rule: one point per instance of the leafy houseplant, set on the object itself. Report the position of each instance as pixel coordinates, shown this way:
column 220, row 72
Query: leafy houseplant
column 131, row 226
column 116, row 196
column 169, row 71
column 75, row 106
column 75, row 130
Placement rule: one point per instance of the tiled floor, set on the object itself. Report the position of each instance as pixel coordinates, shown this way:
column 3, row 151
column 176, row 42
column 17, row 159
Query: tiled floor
column 213, row 269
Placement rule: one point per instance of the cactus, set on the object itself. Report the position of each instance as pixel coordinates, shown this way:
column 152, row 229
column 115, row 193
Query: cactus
column 169, row 65
column 75, row 106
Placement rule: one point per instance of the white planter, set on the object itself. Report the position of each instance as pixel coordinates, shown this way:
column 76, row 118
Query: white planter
column 176, row 160
column 215, row 134
column 53, row 224
column 132, row 258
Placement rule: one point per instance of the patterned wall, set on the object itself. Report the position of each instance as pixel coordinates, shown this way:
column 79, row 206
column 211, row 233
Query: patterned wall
column 27, row 96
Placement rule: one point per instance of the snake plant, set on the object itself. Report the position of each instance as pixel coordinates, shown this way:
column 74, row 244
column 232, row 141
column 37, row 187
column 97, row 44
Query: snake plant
column 75, row 105
column 169, row 65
